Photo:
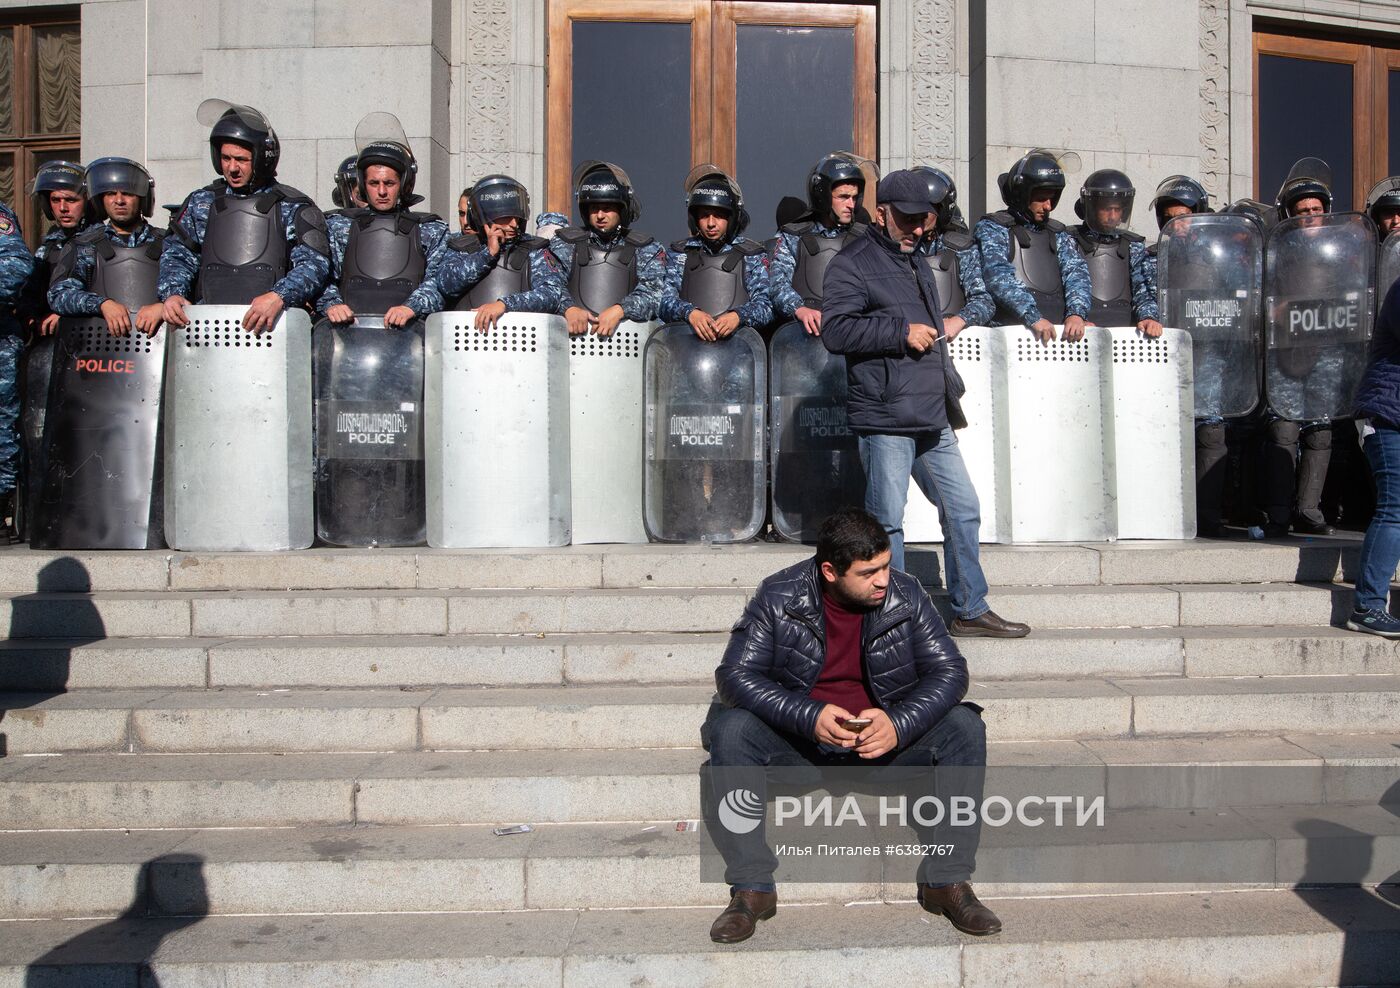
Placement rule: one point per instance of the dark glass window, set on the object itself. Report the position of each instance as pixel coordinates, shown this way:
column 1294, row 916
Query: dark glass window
column 1393, row 81
column 1305, row 109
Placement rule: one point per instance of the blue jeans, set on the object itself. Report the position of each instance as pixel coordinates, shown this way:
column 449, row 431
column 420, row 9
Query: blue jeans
column 1380, row 551
column 936, row 464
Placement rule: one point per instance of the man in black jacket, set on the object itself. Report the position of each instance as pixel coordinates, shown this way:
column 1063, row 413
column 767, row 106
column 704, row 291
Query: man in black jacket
column 882, row 311
column 843, row 639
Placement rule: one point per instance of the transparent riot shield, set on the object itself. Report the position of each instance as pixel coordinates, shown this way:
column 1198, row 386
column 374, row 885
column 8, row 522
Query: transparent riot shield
column 37, row 369
column 369, row 433
column 1388, row 268
column 1211, row 274
column 704, row 479
column 1319, row 302
column 815, row 461
column 102, row 485
column 238, row 433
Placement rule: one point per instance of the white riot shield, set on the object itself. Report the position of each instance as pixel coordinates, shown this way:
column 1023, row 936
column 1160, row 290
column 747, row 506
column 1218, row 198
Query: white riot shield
column 605, row 434
column 815, row 460
column 1319, row 298
column 1151, row 435
column 1389, row 268
column 238, row 433
column 979, row 354
column 1211, row 268
column 496, row 432
column 1060, row 467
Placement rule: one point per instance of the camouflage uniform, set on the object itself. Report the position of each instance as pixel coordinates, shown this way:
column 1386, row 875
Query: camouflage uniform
column 783, row 265
column 306, row 275
column 978, row 305
column 757, row 311
column 32, row 303
column 16, row 265
column 994, row 241
column 468, row 260
column 638, row 305
column 423, row 300
column 69, row 296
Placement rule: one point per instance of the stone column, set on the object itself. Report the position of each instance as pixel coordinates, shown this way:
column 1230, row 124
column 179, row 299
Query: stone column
column 923, row 84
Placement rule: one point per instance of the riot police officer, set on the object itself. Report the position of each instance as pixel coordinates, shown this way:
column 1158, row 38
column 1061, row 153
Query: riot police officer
column 611, row 271
column 1383, row 206
column 504, row 269
column 1179, row 195
column 112, row 269
column 835, row 190
column 1032, row 264
column 346, row 193
column 463, row 213
column 952, row 255
column 1122, row 277
column 244, row 239
column 16, row 267
column 384, row 257
column 58, row 190
column 716, row 279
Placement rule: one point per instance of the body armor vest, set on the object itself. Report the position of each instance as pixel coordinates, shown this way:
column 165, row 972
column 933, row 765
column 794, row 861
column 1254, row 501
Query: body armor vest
column 601, row 276
column 384, row 260
column 814, row 254
column 245, row 249
column 946, row 268
column 1036, row 262
column 508, row 276
column 713, row 283
column 126, row 275
column 1110, row 265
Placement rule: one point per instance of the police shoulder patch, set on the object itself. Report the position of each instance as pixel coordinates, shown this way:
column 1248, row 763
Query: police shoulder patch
column 6, row 226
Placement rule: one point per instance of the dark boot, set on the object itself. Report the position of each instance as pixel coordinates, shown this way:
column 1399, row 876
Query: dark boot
column 1313, row 458
column 745, row 909
column 1211, row 465
column 1278, row 459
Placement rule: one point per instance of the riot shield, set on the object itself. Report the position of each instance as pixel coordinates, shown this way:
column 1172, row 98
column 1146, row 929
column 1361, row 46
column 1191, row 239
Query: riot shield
column 1389, row 268
column 1211, row 273
column 497, row 431
column 815, row 460
column 103, row 471
column 605, row 434
column 238, row 433
column 37, row 370
column 1319, row 299
column 369, row 433
column 704, row 479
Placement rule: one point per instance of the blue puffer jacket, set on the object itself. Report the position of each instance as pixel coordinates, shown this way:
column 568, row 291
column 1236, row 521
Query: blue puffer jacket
column 1378, row 394
column 870, row 295
column 778, row 647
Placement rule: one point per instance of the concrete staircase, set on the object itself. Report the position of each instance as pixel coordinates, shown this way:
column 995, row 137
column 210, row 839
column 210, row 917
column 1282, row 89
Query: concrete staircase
column 284, row 769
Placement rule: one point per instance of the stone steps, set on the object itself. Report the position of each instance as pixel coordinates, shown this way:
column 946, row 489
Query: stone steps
column 1273, row 938
column 416, row 788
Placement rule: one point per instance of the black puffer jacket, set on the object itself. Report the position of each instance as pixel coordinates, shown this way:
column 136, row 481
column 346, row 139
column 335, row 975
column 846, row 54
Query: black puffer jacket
column 777, row 649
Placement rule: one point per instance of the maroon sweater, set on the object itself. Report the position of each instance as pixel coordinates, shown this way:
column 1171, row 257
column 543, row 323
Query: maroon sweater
column 842, row 679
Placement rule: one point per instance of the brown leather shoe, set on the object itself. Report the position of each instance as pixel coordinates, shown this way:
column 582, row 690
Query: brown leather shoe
column 959, row 903
column 736, row 923
column 988, row 625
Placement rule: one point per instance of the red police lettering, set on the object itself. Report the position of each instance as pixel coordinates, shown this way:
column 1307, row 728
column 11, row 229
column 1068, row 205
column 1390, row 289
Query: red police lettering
column 96, row 365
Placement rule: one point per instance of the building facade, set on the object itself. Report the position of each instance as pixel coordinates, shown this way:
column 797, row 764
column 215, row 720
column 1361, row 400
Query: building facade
column 1221, row 89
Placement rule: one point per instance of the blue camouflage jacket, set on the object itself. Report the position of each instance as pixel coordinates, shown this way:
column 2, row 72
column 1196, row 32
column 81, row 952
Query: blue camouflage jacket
column 306, row 274
column 423, row 300
column 69, row 296
column 33, row 303
column 786, row 301
column 978, row 305
column 16, row 263
column 468, row 259
column 994, row 241
column 756, row 312
column 640, row 303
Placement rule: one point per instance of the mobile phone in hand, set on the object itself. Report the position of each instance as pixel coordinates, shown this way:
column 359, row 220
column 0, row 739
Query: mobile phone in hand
column 856, row 724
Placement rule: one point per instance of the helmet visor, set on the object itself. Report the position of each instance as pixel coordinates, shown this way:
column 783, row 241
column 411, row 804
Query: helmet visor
column 1108, row 212
column 211, row 111
column 380, row 128
column 117, row 175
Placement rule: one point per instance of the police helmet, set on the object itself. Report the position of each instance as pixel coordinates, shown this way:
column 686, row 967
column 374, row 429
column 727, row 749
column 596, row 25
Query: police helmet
column 837, row 168
column 119, row 175
column 1107, row 185
column 347, row 177
column 395, row 156
column 710, row 186
column 1180, row 189
column 1261, row 213
column 602, row 181
column 495, row 197
column 231, row 123
column 943, row 193
column 1309, row 178
column 57, row 176
column 1384, row 195
column 1037, row 169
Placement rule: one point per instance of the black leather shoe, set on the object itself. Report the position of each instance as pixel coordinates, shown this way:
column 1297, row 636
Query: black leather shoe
column 736, row 923
column 960, row 904
column 1306, row 525
column 988, row 625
